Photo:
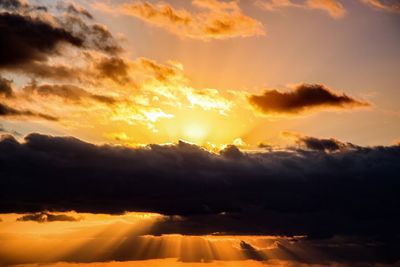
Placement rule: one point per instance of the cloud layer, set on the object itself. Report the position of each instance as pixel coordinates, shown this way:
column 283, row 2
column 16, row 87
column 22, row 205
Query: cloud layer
column 303, row 98
column 318, row 191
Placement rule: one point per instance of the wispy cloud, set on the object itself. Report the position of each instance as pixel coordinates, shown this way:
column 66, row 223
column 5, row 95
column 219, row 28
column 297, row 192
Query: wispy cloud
column 385, row 5
column 214, row 20
column 334, row 8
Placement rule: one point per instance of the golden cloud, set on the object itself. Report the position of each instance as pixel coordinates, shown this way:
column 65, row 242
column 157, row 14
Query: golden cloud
column 215, row 20
column 333, row 7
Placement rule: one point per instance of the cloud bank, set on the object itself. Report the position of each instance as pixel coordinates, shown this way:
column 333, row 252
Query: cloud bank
column 317, row 190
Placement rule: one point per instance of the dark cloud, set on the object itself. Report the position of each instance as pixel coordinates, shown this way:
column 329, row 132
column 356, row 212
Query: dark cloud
column 7, row 111
column 26, row 39
column 321, row 144
column 304, row 97
column 321, row 192
column 43, row 217
column 70, row 93
column 29, row 38
column 94, row 36
column 6, row 88
column 352, row 191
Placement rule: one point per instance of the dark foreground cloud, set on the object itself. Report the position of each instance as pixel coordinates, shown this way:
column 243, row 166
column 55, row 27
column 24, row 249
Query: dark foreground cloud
column 350, row 191
column 303, row 98
column 7, row 111
column 323, row 191
column 43, row 217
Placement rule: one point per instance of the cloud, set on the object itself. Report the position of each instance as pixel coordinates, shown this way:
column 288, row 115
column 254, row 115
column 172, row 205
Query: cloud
column 319, row 144
column 114, row 68
column 27, row 39
column 386, row 5
column 75, row 9
column 5, row 88
column 333, row 7
column 12, row 4
column 31, row 37
column 69, row 93
column 215, row 20
column 322, row 144
column 313, row 192
column 7, row 111
column 303, row 98
column 44, row 217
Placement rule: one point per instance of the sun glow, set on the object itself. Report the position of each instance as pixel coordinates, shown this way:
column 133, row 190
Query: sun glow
column 126, row 238
column 195, row 133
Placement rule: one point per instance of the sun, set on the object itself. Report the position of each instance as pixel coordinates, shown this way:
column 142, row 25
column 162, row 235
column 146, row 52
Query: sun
column 195, row 133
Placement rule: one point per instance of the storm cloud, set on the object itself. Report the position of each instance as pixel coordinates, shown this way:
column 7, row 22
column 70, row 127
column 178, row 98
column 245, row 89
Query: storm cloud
column 350, row 191
column 304, row 97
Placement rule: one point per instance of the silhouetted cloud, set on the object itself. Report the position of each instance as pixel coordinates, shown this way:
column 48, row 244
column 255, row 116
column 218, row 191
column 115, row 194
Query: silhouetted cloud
column 43, row 217
column 7, row 111
column 321, row 144
column 304, row 97
column 30, row 38
column 350, row 191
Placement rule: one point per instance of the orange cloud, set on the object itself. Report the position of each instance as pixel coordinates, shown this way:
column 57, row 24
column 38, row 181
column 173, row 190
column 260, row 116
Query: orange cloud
column 391, row 6
column 333, row 7
column 216, row 20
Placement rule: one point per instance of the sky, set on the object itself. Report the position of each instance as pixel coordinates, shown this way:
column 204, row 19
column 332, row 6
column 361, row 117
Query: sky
column 226, row 132
column 177, row 76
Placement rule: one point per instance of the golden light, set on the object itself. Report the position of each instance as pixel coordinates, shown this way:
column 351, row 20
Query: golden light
column 195, row 133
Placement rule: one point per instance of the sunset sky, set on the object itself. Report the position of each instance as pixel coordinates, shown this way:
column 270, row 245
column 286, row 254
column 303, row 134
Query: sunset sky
column 243, row 132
